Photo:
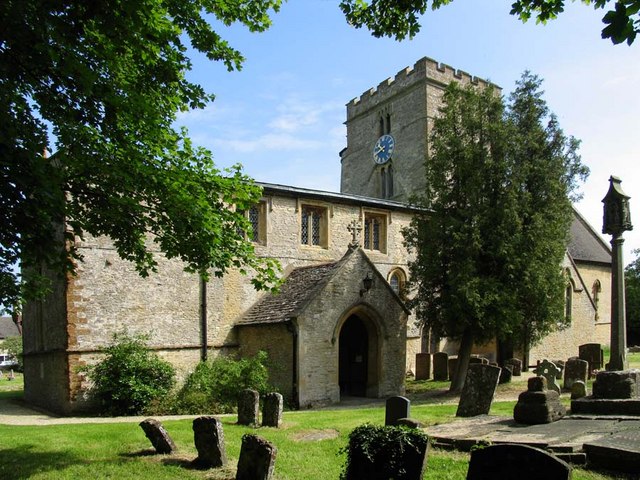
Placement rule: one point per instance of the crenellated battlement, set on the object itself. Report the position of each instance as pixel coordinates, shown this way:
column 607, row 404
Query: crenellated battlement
column 424, row 69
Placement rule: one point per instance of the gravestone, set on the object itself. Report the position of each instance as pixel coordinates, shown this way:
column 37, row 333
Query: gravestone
column 423, row 366
column 441, row 366
column 158, row 436
column 257, row 459
column 452, row 366
column 478, row 359
column 578, row 390
column 516, row 366
column 560, row 366
column 505, row 375
column 272, row 410
column 478, row 391
column 209, row 440
column 617, row 385
column 592, row 353
column 515, row 461
column 391, row 453
column 248, row 407
column 575, row 370
column 395, row 409
column 538, row 405
column 549, row 371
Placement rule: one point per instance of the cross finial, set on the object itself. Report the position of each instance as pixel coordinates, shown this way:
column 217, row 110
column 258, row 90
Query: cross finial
column 355, row 228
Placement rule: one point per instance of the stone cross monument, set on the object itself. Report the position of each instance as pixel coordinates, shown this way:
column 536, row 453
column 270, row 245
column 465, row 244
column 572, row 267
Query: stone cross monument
column 617, row 219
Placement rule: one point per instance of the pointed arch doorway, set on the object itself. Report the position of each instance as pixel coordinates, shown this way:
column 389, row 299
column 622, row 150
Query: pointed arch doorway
column 358, row 357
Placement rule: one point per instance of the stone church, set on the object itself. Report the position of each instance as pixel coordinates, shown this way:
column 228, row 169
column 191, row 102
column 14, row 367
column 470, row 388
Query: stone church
column 339, row 325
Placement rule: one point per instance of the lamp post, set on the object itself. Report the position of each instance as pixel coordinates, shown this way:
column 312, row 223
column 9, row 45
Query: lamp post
column 617, row 219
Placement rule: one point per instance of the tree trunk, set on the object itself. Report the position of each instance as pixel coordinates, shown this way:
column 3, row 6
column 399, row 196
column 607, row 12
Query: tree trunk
column 464, row 354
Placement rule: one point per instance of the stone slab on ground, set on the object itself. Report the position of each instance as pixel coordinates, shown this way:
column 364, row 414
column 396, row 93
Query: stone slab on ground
column 566, row 435
column 619, row 451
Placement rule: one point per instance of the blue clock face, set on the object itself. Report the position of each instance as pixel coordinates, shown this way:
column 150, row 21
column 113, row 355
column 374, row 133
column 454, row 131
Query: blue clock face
column 383, row 149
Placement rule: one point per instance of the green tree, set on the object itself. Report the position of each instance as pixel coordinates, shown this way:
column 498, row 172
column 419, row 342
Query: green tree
column 100, row 83
column 489, row 247
column 632, row 306
column 399, row 18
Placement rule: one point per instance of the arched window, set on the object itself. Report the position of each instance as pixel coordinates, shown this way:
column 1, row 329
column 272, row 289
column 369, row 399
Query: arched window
column 568, row 297
column 397, row 281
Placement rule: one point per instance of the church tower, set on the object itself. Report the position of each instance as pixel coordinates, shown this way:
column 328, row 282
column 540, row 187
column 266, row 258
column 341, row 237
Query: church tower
column 388, row 128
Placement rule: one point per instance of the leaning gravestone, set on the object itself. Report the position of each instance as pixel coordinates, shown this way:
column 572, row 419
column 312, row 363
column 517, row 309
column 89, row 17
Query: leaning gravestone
column 516, row 366
column 478, row 391
column 257, row 459
column 272, row 410
column 395, row 409
column 248, row 407
column 441, row 366
column 505, row 375
column 592, row 353
column 158, row 436
column 423, row 366
column 209, row 440
column 515, row 461
column 538, row 405
column 575, row 370
column 549, row 371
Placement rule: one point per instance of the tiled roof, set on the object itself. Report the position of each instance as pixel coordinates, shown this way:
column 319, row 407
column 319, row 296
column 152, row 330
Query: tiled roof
column 8, row 328
column 298, row 289
column 585, row 245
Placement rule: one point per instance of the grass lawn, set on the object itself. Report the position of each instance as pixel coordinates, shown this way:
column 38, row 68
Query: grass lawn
column 121, row 451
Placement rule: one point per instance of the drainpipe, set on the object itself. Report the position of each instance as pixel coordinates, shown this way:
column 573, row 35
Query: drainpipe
column 292, row 327
column 203, row 319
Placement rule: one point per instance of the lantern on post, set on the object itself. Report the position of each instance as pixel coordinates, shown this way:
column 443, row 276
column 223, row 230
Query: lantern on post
column 617, row 219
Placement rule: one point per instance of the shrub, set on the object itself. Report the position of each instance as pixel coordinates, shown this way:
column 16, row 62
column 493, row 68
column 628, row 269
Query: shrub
column 215, row 386
column 13, row 346
column 382, row 452
column 130, row 376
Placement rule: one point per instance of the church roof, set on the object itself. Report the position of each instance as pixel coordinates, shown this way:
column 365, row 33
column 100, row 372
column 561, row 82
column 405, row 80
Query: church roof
column 296, row 292
column 585, row 245
column 8, row 328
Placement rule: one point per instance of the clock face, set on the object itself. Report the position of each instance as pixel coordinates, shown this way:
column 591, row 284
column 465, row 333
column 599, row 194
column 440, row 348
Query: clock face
column 383, row 149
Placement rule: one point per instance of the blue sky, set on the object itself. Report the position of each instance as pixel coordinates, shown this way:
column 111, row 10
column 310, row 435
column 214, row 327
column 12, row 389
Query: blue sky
column 282, row 116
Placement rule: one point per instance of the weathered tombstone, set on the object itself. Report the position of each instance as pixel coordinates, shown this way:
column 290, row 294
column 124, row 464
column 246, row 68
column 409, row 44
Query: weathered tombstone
column 158, row 436
column 617, row 384
column 453, row 366
column 423, row 366
column 592, row 353
column 441, row 366
column 560, row 366
column 272, row 410
column 575, row 370
column 248, row 407
column 478, row 391
column 396, row 408
column 257, row 459
column 12, row 376
column 209, row 440
column 509, row 461
column 578, row 390
column 538, row 405
column 549, row 371
column 505, row 375
column 410, row 422
column 478, row 359
column 516, row 366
